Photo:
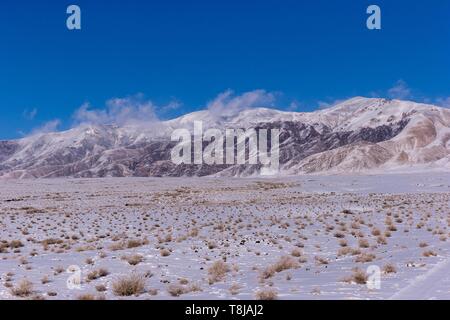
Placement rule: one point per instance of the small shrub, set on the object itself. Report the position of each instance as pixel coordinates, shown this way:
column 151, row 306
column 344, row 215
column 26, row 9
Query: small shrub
column 365, row 257
column 266, row 294
column 45, row 280
column 217, row 271
column 389, row 268
column 343, row 243
column 429, row 253
column 23, row 289
column 86, row 297
column 212, row 245
column 134, row 259
column 284, row 263
column 381, row 240
column 339, row 235
column 234, row 289
column 359, row 277
column 136, row 243
column 130, row 285
column 100, row 288
column 176, row 290
column 321, row 260
column 296, row 253
column 392, row 228
column 376, row 232
column 96, row 274
column 363, row 243
column 117, row 246
column 153, row 292
column 164, row 253
column 15, row 244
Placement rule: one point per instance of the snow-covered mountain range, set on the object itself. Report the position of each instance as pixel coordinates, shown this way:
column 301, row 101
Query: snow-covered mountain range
column 359, row 135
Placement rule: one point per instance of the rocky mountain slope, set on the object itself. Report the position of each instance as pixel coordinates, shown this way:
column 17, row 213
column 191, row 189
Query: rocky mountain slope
column 359, row 135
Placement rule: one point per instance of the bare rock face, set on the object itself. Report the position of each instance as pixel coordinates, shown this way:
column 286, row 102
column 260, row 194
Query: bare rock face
column 359, row 135
column 7, row 148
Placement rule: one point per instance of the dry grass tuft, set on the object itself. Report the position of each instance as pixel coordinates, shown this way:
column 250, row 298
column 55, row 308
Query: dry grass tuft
column 217, row 271
column 284, row 263
column 389, row 268
column 96, row 274
column 164, row 253
column 86, row 297
column 363, row 243
column 15, row 244
column 359, row 276
column 135, row 243
column 130, row 285
column 23, row 289
column 176, row 290
column 134, row 259
column 365, row 257
column 429, row 253
column 267, row 294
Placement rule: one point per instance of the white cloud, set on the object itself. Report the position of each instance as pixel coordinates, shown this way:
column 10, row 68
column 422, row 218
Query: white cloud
column 400, row 91
column 326, row 105
column 173, row 105
column 294, row 106
column 443, row 102
column 29, row 114
column 50, row 126
column 118, row 111
column 228, row 104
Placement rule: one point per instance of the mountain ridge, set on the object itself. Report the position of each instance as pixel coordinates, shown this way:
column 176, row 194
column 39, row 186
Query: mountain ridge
column 357, row 135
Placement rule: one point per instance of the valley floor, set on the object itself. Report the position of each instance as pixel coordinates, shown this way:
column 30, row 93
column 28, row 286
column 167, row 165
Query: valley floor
column 308, row 237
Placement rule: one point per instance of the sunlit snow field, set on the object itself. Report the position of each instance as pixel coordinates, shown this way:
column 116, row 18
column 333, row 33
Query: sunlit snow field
column 307, row 237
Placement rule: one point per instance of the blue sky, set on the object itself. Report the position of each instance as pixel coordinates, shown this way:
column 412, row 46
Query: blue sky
column 182, row 54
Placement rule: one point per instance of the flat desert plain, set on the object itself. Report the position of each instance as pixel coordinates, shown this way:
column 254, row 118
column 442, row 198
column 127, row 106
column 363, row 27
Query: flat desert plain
column 308, row 237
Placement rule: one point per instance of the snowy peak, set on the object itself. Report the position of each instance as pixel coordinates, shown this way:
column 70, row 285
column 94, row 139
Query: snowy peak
column 365, row 112
column 360, row 134
column 352, row 114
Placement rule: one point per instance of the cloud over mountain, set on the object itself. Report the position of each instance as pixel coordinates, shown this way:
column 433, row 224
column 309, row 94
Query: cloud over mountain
column 229, row 104
column 118, row 111
column 358, row 135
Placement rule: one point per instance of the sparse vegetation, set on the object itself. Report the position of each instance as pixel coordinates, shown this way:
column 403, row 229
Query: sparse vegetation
column 284, row 263
column 134, row 259
column 133, row 284
column 227, row 240
column 96, row 274
column 358, row 276
column 389, row 268
column 217, row 271
column 266, row 294
column 23, row 289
